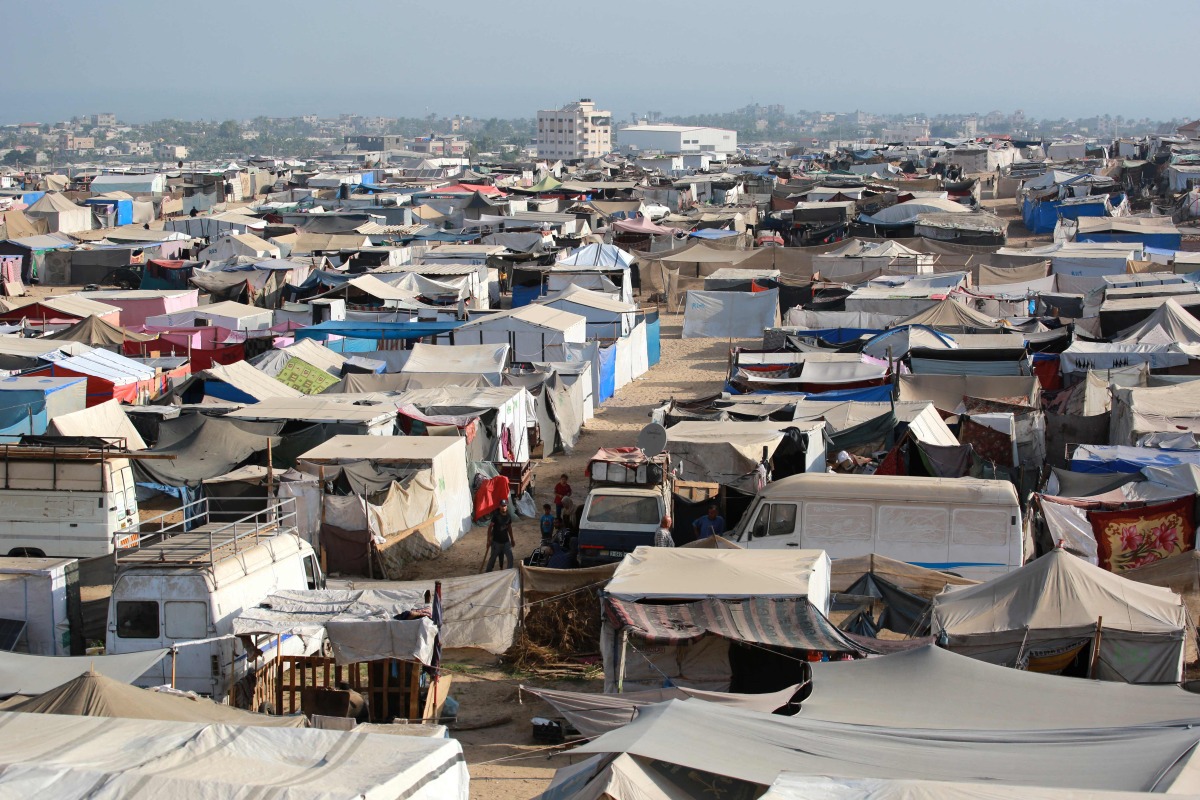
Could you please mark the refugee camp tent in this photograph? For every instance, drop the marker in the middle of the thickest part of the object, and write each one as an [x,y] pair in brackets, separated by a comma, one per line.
[607,317]
[596,255]
[241,383]
[790,786]
[62,310]
[505,412]
[94,331]
[1051,607]
[1137,411]
[138,304]
[60,214]
[729,453]
[70,756]
[929,687]
[430,365]
[755,747]
[337,417]
[107,420]
[30,675]
[1169,324]
[951,316]
[113,376]
[93,694]
[226,314]
[532,332]
[27,404]
[730,315]
[946,392]
[236,245]
[906,213]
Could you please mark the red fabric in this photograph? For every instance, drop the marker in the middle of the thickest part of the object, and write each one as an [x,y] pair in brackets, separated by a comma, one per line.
[489,494]
[754,287]
[1138,536]
[200,359]
[1048,374]
[891,463]
[990,445]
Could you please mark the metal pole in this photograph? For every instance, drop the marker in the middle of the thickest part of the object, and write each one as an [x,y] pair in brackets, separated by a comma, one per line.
[173,652]
[1096,647]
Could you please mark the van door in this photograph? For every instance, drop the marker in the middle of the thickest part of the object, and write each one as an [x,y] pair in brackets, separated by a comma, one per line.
[774,525]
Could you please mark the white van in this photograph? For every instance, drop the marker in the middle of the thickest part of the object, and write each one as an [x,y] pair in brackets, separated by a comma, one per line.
[963,525]
[68,502]
[167,603]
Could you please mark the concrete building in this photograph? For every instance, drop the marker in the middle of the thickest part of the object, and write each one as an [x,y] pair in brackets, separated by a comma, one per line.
[106,120]
[172,152]
[387,141]
[662,138]
[574,132]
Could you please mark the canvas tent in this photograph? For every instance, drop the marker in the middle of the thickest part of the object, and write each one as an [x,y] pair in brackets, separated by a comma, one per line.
[1050,608]
[1169,324]
[1137,411]
[730,315]
[60,214]
[790,786]
[69,757]
[226,314]
[532,332]
[607,317]
[96,332]
[241,383]
[433,365]
[107,419]
[31,675]
[728,453]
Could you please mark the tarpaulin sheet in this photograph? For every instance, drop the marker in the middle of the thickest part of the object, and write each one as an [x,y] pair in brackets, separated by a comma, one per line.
[607,359]
[212,447]
[776,622]
[730,315]
[25,674]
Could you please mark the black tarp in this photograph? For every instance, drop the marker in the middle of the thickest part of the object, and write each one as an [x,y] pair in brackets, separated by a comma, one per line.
[1086,484]
[1071,429]
[874,434]
[903,612]
[212,447]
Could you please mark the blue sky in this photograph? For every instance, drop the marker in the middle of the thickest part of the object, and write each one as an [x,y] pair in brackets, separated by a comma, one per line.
[221,59]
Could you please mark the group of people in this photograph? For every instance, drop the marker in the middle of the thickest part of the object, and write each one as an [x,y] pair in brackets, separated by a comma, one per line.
[711,524]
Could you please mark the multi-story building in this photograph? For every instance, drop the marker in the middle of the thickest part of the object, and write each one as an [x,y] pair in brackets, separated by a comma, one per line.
[386,141]
[106,120]
[574,132]
[68,142]
[172,152]
[669,139]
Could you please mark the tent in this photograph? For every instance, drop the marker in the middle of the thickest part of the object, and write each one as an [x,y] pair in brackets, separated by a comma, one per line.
[1140,410]
[607,317]
[61,215]
[113,376]
[226,314]
[138,304]
[239,244]
[61,310]
[241,383]
[730,315]
[444,456]
[952,316]
[31,675]
[1169,324]
[73,758]
[27,404]
[596,255]
[790,786]
[93,694]
[107,419]
[336,416]
[434,365]
[94,331]
[729,452]
[936,689]
[907,213]
[532,332]
[1049,609]
[754,748]
[505,414]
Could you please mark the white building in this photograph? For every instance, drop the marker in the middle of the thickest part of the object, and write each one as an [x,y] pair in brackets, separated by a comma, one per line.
[662,138]
[574,132]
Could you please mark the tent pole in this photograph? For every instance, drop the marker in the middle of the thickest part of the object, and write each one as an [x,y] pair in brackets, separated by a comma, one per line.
[1096,647]
[623,643]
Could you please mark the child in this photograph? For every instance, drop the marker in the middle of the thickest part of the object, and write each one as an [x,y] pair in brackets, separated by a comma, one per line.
[561,489]
[548,523]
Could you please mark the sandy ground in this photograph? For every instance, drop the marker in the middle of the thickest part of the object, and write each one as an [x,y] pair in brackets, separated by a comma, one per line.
[488,693]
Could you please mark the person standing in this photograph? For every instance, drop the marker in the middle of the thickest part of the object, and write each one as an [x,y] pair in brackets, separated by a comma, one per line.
[547,523]
[500,530]
[561,489]
[711,524]
[663,538]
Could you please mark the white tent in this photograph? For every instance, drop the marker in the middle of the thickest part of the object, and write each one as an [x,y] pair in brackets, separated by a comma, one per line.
[61,215]
[607,317]
[514,409]
[533,332]
[1169,324]
[730,315]
[790,786]
[71,757]
[226,314]
[1137,411]
[435,365]
[444,456]
[728,452]
[597,255]
[239,244]
[1053,605]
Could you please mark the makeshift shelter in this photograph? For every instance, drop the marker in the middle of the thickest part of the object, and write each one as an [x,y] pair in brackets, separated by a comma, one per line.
[336,417]
[30,675]
[241,383]
[729,453]
[775,598]
[107,420]
[112,376]
[1137,411]
[789,786]
[932,688]
[93,694]
[226,314]
[1047,615]
[607,317]
[33,249]
[27,404]
[60,214]
[1169,324]
[505,415]
[951,316]
[71,756]
[432,365]
[60,311]
[730,315]
[95,332]
[532,332]
[235,245]
[754,748]
[138,304]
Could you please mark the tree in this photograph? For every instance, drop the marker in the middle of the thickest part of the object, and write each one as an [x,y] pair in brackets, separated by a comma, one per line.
[229,130]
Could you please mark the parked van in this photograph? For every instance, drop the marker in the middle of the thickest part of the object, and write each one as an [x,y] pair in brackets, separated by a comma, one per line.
[966,526]
[181,591]
[66,502]
[629,495]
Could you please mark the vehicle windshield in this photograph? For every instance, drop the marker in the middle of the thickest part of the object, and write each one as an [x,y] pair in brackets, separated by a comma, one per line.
[624,509]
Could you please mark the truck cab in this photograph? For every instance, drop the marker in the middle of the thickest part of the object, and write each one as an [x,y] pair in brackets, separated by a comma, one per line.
[629,495]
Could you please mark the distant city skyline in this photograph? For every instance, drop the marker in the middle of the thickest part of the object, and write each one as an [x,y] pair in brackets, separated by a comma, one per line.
[225,60]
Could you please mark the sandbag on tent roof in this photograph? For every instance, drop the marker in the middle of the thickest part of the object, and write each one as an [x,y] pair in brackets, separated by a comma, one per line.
[28,675]
[953,316]
[932,688]
[107,419]
[1170,323]
[444,362]
[1051,606]
[70,757]
[94,331]
[730,315]
[93,694]
[756,747]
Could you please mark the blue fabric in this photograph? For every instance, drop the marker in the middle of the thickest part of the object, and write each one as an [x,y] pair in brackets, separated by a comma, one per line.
[712,233]
[1161,243]
[524,295]
[607,356]
[868,394]
[837,335]
[375,330]
[1120,458]
[224,391]
[351,344]
[22,413]
[653,343]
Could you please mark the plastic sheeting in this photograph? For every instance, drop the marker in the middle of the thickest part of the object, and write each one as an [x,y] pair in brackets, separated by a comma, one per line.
[31,675]
[730,315]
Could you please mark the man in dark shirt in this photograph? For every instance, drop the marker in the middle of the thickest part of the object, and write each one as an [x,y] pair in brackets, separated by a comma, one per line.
[500,532]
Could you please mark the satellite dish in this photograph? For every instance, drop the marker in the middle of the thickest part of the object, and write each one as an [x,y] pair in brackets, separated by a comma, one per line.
[652,439]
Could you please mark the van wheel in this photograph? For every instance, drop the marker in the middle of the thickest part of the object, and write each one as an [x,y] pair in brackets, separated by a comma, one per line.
[26,552]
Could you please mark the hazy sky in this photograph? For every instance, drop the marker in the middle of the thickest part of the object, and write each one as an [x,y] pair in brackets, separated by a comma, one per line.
[222,59]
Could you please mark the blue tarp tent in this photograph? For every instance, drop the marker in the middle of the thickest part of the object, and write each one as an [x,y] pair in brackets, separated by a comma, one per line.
[1122,458]
[868,394]
[524,295]
[21,413]
[653,343]
[1164,243]
[124,208]
[607,358]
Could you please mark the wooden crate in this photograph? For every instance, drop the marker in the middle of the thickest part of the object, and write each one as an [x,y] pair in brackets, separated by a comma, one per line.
[392,688]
